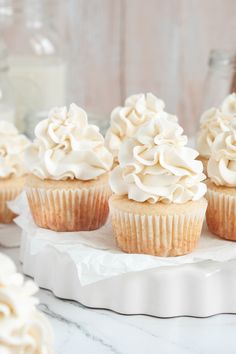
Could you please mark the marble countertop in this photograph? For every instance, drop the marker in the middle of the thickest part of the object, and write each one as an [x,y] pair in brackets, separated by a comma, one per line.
[87,331]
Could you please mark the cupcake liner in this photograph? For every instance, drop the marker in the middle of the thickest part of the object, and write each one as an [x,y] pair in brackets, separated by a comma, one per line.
[7,194]
[157,235]
[69,209]
[221,214]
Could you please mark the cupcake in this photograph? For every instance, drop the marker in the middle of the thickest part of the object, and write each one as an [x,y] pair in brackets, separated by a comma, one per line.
[68,187]
[213,122]
[221,191]
[24,330]
[12,171]
[125,120]
[158,206]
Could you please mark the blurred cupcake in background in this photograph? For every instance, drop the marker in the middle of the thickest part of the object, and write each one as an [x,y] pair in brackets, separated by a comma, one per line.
[228,106]
[125,120]
[24,330]
[68,187]
[221,193]
[213,122]
[158,207]
[12,170]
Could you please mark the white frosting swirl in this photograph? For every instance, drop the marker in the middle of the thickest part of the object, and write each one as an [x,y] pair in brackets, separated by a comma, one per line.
[23,329]
[228,106]
[155,166]
[213,122]
[125,120]
[222,163]
[12,147]
[67,147]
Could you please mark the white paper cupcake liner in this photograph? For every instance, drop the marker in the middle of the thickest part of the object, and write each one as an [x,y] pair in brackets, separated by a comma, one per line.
[6,195]
[158,235]
[221,214]
[69,210]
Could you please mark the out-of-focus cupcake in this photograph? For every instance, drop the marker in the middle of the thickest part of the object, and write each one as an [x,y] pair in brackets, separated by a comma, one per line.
[158,206]
[221,191]
[23,329]
[68,187]
[213,122]
[125,120]
[12,171]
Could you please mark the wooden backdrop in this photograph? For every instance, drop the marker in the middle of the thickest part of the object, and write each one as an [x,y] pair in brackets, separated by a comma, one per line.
[119,47]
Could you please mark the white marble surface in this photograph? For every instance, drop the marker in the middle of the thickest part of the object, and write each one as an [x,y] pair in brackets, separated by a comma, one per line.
[88,331]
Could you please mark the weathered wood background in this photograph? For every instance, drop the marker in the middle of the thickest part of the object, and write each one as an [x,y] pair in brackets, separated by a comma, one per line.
[119,47]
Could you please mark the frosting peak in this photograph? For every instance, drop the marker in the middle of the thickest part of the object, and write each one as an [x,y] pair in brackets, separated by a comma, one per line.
[23,329]
[222,163]
[228,106]
[143,104]
[67,147]
[125,120]
[156,166]
[213,122]
[12,147]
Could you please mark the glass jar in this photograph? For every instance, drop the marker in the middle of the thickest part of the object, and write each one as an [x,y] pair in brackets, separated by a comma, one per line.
[7,110]
[36,65]
[221,78]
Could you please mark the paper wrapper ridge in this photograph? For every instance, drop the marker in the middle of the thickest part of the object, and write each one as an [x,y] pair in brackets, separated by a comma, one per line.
[171,235]
[69,210]
[221,214]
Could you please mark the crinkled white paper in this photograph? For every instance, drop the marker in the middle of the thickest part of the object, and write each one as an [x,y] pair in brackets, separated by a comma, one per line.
[96,255]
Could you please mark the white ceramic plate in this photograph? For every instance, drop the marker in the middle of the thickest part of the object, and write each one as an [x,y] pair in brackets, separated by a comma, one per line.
[200,289]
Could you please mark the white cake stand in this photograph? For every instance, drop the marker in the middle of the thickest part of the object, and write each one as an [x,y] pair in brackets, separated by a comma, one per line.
[200,289]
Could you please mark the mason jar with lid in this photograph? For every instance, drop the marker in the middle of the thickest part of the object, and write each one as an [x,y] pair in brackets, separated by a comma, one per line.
[221,79]
[7,106]
[36,65]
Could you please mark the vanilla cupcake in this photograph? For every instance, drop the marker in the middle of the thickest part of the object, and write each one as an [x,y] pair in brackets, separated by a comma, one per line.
[213,122]
[23,329]
[68,186]
[158,206]
[12,171]
[221,193]
[125,120]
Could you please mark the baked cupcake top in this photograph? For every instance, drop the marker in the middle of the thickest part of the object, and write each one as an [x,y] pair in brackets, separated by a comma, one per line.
[156,166]
[67,147]
[12,147]
[23,328]
[213,122]
[125,120]
[221,166]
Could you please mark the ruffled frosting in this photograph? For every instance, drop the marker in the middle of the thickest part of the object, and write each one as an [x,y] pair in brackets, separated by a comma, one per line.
[156,166]
[228,106]
[213,122]
[125,120]
[12,147]
[23,328]
[222,163]
[67,147]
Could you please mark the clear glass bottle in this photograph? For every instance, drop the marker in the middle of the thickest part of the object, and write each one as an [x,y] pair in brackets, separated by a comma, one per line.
[37,67]
[221,78]
[7,107]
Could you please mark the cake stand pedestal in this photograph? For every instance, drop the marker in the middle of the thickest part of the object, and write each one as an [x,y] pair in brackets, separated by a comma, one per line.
[199,289]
